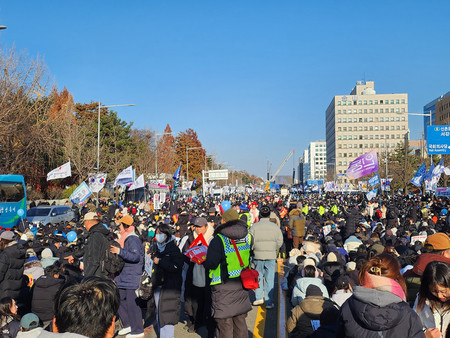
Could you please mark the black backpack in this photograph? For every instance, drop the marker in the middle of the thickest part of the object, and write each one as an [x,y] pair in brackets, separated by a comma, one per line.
[391,213]
[112,263]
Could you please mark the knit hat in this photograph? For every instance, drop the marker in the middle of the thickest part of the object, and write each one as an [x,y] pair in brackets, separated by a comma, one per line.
[46,253]
[200,222]
[309,261]
[230,215]
[331,257]
[438,241]
[313,290]
[90,216]
[264,211]
[8,235]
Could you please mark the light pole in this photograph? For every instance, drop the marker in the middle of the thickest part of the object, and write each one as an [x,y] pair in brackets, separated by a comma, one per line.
[2,27]
[156,151]
[98,128]
[187,161]
[430,115]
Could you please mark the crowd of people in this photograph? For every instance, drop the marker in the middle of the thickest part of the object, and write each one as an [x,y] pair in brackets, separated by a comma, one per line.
[353,268]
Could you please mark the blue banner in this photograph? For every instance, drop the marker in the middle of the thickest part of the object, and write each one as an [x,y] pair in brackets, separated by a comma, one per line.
[438,139]
[419,175]
[374,180]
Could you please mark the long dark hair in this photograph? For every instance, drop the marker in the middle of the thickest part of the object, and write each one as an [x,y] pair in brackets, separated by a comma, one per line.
[436,273]
[5,309]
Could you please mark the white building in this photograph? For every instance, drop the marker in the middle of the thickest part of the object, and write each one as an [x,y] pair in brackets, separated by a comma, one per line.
[315,158]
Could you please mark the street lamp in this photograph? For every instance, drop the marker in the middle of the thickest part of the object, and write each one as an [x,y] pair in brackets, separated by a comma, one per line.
[187,161]
[2,27]
[98,128]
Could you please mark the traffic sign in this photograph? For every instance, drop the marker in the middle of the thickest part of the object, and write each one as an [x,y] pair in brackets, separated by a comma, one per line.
[438,139]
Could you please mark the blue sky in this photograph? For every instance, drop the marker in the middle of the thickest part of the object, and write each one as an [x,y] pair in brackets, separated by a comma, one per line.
[253,78]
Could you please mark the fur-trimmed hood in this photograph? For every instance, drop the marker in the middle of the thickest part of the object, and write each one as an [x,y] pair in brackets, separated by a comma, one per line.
[235,229]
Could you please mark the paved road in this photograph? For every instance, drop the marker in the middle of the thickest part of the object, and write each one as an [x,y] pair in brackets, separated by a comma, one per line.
[260,321]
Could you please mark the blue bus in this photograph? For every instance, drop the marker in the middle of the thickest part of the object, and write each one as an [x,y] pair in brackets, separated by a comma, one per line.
[13,200]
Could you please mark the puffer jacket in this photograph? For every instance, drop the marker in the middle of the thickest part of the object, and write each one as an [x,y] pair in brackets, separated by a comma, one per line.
[133,256]
[430,319]
[94,251]
[297,222]
[229,299]
[44,291]
[299,292]
[267,239]
[12,259]
[307,310]
[375,313]
[167,275]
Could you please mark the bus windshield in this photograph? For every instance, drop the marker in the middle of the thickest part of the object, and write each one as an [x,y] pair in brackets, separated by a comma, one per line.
[11,192]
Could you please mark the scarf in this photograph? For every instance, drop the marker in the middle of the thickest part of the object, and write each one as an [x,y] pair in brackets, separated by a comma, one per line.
[162,246]
[383,284]
[124,234]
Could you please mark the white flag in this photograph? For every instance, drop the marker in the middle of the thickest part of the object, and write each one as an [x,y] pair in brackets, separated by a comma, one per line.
[60,172]
[447,170]
[139,183]
[125,177]
[97,182]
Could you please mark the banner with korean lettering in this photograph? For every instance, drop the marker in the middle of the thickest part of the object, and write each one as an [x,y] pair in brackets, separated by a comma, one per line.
[363,165]
[438,139]
[374,180]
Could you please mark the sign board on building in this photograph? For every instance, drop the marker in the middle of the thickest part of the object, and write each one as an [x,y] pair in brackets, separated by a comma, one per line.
[314,182]
[217,175]
[438,139]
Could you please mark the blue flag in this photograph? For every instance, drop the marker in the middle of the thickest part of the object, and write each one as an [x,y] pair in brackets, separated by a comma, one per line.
[374,180]
[194,184]
[176,176]
[430,173]
[371,194]
[419,175]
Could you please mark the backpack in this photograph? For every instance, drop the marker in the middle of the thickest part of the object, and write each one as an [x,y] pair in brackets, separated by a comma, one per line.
[391,214]
[112,263]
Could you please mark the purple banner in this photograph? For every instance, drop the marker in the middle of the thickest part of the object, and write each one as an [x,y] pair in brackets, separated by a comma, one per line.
[363,165]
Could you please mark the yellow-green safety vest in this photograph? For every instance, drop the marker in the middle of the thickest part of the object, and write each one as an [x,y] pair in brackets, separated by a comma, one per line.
[249,218]
[233,266]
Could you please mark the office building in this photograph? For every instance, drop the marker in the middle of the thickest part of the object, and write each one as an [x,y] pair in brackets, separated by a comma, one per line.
[361,122]
[315,160]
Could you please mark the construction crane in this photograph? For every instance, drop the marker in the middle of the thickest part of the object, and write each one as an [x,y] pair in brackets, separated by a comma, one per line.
[279,169]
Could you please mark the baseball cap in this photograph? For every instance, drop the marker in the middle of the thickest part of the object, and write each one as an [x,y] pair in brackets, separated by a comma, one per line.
[200,222]
[90,216]
[8,235]
[29,321]
[438,241]
[127,219]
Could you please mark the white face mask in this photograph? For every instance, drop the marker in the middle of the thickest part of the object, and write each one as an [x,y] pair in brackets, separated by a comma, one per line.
[160,238]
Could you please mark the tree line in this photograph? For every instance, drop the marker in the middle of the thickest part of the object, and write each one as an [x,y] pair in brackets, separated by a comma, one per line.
[43,128]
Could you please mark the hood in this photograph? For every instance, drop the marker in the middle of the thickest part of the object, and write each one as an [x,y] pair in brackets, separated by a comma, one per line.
[376,310]
[313,306]
[48,282]
[424,259]
[295,212]
[99,228]
[235,229]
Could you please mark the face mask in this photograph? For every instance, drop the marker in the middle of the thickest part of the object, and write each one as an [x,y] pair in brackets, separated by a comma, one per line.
[160,238]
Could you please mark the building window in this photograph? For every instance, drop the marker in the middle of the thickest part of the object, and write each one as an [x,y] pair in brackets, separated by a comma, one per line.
[370,111]
[381,119]
[392,119]
[344,111]
[359,102]
[377,137]
[370,137]
[339,120]
[339,103]
[403,127]
[403,119]
[376,101]
[381,110]
[403,100]
[392,101]
[397,101]
[392,110]
[344,137]
[403,110]
[397,110]
[387,127]
[365,111]
[370,119]
[360,111]
[365,101]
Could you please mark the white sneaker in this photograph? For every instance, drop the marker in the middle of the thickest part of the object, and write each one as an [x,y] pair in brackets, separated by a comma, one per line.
[136,335]
[258,302]
[124,331]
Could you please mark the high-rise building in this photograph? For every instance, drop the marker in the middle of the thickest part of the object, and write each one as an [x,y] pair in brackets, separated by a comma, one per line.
[315,158]
[363,121]
[441,110]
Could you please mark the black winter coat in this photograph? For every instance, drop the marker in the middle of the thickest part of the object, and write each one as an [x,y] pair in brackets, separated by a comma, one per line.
[12,259]
[352,218]
[373,313]
[94,251]
[44,291]
[167,275]
[229,298]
